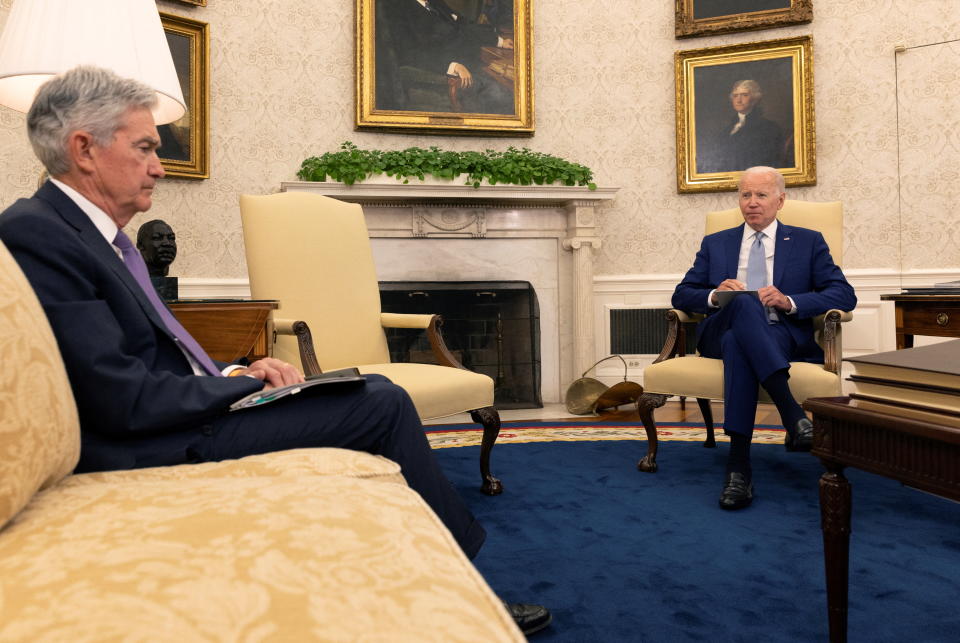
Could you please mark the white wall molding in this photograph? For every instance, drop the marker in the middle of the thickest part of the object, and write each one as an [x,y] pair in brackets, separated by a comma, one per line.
[204,288]
[871,331]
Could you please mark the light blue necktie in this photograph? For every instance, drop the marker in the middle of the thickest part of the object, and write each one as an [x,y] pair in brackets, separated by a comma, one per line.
[138,269]
[757,271]
[757,264]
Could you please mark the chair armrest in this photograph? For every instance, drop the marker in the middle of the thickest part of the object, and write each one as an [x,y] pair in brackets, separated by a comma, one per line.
[685,317]
[676,340]
[828,326]
[300,329]
[430,323]
[402,320]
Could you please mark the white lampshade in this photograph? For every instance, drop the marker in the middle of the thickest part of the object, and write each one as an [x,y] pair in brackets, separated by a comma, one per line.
[43,38]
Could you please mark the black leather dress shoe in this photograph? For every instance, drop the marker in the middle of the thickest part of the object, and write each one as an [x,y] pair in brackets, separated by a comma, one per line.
[801,438]
[529,618]
[737,492]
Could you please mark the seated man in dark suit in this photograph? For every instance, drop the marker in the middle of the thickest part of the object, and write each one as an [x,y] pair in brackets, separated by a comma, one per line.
[757,338]
[429,35]
[146,392]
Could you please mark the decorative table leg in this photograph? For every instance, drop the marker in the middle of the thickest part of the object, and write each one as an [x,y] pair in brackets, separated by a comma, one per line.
[490,420]
[835,501]
[645,406]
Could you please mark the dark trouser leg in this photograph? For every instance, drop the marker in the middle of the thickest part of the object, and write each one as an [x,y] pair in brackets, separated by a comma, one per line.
[751,350]
[778,388]
[377,417]
[486,96]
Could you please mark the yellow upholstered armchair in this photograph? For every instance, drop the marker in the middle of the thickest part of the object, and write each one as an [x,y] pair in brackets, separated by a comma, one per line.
[312,254]
[674,373]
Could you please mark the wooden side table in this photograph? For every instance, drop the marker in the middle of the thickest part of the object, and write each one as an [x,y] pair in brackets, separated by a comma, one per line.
[935,315]
[229,329]
[920,454]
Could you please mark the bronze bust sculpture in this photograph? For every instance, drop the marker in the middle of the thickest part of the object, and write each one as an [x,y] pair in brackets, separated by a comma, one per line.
[157,242]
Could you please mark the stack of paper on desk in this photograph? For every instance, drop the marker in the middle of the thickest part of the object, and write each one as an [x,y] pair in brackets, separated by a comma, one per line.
[924,379]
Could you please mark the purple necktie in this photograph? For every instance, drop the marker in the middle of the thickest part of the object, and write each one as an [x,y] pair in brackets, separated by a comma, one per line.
[137,268]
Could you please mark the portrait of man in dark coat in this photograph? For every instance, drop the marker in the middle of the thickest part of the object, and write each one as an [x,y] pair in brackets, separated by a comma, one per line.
[440,56]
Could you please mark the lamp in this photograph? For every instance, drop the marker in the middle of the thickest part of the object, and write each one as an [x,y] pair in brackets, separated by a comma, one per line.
[43,38]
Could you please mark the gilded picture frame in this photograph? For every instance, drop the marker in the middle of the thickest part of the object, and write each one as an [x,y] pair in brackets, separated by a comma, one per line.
[185,144]
[445,66]
[193,3]
[709,17]
[743,105]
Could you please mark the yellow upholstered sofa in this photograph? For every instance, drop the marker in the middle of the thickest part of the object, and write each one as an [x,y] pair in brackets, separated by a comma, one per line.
[311,544]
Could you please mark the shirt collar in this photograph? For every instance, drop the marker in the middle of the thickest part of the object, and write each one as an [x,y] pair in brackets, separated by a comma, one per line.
[101,221]
[770,230]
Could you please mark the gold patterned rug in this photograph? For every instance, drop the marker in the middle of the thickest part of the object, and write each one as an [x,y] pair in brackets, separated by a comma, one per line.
[444,436]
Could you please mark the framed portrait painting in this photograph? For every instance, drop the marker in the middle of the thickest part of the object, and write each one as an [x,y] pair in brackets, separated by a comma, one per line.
[708,17]
[184,144]
[744,105]
[445,66]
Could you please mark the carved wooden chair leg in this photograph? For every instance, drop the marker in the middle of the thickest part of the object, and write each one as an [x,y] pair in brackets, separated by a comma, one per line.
[490,419]
[645,406]
[707,412]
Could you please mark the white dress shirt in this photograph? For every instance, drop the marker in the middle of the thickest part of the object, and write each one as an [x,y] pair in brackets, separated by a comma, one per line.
[769,242]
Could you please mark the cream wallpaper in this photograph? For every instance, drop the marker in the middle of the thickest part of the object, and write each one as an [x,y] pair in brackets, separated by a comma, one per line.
[282,89]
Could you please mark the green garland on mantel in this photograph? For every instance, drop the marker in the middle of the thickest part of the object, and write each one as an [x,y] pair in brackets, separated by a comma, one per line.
[515,166]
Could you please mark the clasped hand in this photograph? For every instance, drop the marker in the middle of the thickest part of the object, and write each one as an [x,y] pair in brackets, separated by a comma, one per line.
[770,296]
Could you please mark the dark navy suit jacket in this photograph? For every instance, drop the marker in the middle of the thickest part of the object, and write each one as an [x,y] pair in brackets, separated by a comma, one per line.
[802,269]
[133,386]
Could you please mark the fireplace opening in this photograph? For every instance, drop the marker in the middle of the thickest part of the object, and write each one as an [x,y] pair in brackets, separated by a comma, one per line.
[492,327]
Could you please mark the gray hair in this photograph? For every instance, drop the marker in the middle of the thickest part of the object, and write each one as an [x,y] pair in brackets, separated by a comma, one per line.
[752,86]
[85,98]
[773,172]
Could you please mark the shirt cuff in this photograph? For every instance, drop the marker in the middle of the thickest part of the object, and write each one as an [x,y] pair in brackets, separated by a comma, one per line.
[231,368]
[710,303]
[793,306]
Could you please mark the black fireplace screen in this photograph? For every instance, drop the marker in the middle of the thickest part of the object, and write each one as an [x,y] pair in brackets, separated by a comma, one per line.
[492,327]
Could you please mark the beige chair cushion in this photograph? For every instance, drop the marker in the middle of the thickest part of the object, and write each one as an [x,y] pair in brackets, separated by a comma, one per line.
[312,254]
[39,428]
[702,377]
[825,217]
[293,463]
[312,558]
[438,391]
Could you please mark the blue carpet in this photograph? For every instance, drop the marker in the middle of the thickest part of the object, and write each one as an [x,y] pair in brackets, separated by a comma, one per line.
[619,555]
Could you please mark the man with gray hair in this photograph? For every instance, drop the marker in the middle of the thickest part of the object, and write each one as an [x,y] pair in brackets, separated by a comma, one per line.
[795,279]
[147,394]
[747,139]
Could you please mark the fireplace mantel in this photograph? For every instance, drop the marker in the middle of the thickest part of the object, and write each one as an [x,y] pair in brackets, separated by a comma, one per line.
[393,191]
[450,211]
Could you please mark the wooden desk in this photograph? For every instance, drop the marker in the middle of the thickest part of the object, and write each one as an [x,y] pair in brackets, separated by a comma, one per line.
[919,454]
[229,329]
[936,315]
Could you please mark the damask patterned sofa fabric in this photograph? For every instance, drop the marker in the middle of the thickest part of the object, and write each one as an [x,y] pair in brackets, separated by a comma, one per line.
[308,544]
[329,558]
[39,428]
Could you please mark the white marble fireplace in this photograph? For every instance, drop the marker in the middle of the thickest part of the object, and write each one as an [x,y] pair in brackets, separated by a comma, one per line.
[546,235]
